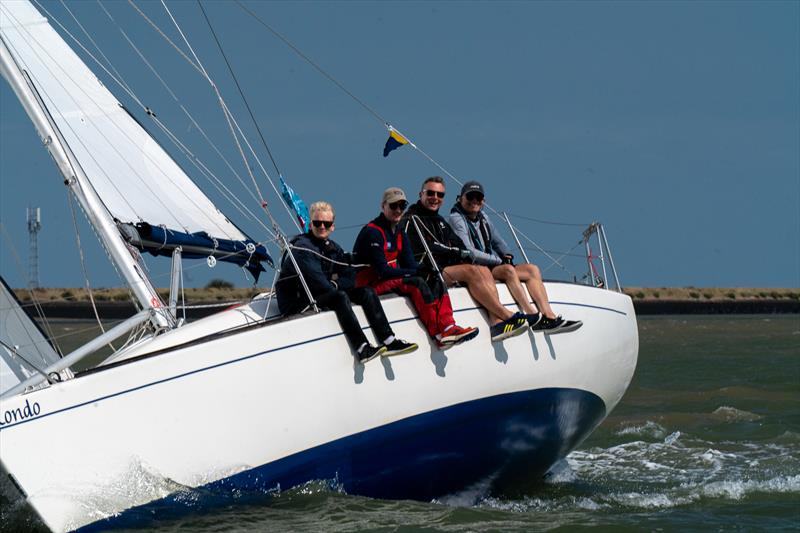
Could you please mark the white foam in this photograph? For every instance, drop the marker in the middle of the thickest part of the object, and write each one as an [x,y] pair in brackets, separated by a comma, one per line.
[648,429]
[731,414]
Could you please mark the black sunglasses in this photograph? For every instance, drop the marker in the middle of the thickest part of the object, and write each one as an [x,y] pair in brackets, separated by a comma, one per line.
[400,204]
[474,196]
[319,223]
[438,194]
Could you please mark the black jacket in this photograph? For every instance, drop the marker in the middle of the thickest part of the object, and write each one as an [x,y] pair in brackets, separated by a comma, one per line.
[445,245]
[321,276]
[368,249]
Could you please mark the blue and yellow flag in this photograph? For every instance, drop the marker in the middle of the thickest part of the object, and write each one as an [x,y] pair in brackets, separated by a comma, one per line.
[297,204]
[395,140]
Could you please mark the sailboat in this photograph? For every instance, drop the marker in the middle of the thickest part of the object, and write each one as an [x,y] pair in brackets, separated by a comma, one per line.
[247,399]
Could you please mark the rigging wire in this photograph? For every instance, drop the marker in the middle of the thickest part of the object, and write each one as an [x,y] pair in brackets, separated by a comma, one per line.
[231,122]
[239,87]
[96,46]
[83,264]
[312,63]
[550,222]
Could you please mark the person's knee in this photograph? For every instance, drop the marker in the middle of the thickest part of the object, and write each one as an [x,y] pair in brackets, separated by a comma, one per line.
[421,286]
[504,272]
[530,271]
[340,298]
[368,293]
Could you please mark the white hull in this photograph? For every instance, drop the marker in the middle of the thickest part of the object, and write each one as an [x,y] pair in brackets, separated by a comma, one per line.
[203,412]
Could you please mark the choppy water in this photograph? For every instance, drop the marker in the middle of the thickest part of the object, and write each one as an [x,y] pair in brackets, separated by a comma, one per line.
[706,439]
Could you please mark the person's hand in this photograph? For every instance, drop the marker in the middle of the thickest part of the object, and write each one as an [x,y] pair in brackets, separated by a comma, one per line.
[508,259]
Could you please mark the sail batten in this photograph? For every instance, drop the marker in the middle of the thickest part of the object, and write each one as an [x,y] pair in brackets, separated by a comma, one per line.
[135,178]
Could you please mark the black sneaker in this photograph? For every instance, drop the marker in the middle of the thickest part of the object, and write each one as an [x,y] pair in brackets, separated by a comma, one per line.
[511,327]
[399,347]
[548,324]
[567,326]
[551,326]
[533,319]
[369,352]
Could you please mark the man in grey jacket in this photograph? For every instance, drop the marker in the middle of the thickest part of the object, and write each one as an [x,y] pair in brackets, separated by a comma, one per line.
[488,248]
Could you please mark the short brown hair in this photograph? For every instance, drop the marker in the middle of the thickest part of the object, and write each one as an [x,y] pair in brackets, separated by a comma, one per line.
[432,179]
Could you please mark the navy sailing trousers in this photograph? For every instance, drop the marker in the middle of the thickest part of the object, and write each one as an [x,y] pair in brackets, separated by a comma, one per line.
[367,298]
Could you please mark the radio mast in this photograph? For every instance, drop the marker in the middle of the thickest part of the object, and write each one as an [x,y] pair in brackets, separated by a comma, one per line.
[34,225]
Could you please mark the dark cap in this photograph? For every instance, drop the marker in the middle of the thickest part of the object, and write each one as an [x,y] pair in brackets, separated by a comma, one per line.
[472,186]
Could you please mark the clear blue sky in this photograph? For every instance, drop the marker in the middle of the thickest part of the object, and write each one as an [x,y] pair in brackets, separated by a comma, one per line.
[676,124]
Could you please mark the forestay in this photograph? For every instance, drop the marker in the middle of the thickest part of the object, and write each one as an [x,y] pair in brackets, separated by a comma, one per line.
[137,181]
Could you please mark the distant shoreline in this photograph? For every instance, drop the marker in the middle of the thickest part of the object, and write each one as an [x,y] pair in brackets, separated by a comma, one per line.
[115,304]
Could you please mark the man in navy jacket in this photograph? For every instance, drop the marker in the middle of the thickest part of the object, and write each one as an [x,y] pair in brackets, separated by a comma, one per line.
[331,281]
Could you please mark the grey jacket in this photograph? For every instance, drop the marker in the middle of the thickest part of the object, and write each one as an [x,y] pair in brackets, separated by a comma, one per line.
[481,253]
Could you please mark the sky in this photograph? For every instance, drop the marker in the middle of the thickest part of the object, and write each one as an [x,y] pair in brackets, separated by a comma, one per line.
[674,124]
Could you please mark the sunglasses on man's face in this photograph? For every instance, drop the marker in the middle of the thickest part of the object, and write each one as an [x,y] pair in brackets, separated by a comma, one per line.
[400,204]
[438,194]
[319,223]
[474,197]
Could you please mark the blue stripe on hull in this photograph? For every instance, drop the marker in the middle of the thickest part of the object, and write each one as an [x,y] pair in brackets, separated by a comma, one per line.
[512,437]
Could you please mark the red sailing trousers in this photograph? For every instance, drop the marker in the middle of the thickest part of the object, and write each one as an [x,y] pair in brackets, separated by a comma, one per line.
[437,315]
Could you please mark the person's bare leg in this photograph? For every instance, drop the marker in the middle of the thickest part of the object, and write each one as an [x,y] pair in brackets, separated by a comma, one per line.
[532,278]
[484,293]
[508,275]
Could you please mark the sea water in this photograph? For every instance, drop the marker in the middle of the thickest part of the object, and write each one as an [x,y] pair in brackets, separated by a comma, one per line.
[707,438]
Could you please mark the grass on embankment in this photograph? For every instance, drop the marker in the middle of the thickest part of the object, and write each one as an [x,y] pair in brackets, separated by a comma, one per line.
[235,294]
[710,293]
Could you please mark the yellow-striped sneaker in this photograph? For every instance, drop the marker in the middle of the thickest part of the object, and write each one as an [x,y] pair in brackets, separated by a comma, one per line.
[516,325]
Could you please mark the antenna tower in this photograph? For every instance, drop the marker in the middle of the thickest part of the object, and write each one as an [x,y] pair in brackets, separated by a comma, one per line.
[34,225]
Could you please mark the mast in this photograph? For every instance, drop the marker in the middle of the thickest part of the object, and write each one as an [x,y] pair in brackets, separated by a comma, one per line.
[79,184]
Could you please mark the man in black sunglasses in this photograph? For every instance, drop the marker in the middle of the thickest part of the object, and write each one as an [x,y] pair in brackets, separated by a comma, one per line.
[488,248]
[423,221]
[331,280]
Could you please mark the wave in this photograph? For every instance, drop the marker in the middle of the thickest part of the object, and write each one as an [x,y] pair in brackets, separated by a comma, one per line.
[648,429]
[731,414]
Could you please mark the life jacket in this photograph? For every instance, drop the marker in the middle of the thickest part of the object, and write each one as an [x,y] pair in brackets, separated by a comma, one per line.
[368,276]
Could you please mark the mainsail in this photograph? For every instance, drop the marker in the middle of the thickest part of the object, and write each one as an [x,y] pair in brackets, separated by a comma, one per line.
[136,180]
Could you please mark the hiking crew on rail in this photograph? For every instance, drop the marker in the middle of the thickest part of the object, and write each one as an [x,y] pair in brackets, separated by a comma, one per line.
[417,254]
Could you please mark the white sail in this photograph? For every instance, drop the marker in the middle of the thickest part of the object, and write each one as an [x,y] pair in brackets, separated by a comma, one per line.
[23,348]
[134,177]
